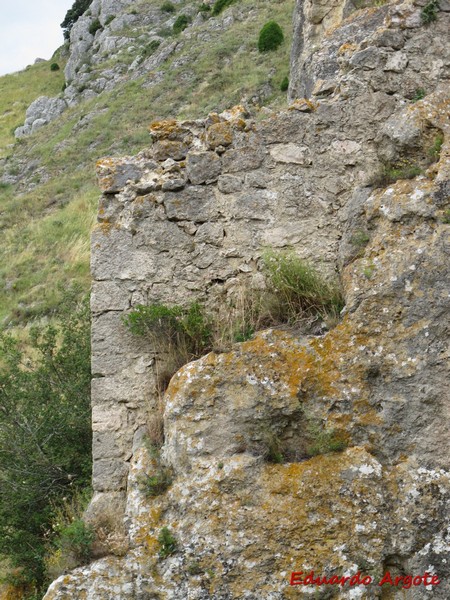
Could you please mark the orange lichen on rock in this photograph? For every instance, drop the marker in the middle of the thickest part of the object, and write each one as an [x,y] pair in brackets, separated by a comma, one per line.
[220,134]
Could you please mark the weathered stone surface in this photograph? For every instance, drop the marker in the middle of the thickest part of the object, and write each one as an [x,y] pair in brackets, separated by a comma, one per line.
[164,149]
[228,184]
[203,167]
[192,204]
[39,113]
[291,153]
[219,134]
[376,381]
[114,173]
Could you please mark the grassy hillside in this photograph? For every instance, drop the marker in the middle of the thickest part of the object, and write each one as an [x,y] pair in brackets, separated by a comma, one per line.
[17,92]
[46,216]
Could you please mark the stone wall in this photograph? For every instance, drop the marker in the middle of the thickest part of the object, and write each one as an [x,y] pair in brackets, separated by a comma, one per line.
[189,219]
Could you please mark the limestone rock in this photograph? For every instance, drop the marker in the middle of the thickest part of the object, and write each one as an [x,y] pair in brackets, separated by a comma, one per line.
[357,409]
[39,113]
[203,167]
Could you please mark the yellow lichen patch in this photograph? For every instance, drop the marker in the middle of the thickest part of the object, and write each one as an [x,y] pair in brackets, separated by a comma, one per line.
[303,105]
[347,48]
[220,134]
[166,129]
[106,227]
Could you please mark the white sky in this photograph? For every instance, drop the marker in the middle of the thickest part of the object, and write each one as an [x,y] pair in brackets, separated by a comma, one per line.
[29,29]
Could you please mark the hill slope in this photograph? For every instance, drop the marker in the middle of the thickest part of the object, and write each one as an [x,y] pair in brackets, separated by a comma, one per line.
[48,190]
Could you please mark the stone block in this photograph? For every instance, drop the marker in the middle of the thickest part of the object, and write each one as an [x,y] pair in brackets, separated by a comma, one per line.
[291,153]
[114,173]
[194,203]
[203,167]
[108,295]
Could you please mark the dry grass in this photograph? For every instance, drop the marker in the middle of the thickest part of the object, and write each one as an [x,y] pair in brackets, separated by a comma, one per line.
[52,248]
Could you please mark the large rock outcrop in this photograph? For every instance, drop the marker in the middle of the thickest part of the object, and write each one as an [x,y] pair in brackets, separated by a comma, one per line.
[356,178]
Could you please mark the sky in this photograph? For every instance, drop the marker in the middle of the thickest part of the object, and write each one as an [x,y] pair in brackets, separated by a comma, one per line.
[29,29]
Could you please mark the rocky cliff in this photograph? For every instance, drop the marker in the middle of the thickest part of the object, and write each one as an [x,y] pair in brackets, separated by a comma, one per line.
[355,177]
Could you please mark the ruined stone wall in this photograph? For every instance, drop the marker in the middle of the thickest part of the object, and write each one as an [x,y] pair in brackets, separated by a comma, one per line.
[189,219]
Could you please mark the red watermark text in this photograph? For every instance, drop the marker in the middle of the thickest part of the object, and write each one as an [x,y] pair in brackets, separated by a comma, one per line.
[403,581]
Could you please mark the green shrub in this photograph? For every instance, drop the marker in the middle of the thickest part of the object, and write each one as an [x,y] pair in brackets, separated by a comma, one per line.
[167,543]
[177,334]
[181,22]
[167,7]
[435,151]
[172,326]
[322,441]
[220,5]
[157,483]
[109,19]
[150,48]
[360,238]
[419,94]
[299,289]
[77,539]
[270,37]
[194,568]
[284,84]
[94,26]
[165,32]
[429,12]
[78,8]
[393,172]
[204,8]
[54,67]
[46,419]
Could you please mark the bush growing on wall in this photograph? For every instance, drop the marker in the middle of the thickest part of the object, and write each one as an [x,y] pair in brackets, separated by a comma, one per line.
[270,37]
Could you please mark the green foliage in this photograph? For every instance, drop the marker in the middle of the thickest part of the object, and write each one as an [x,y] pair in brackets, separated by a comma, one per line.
[45,434]
[435,151]
[181,22]
[95,26]
[270,37]
[360,238]
[110,19]
[150,48]
[393,172]
[299,288]
[446,216]
[54,67]
[204,8]
[220,5]
[157,483]
[167,543]
[419,94]
[175,327]
[369,271]
[77,539]
[73,14]
[271,446]
[429,12]
[284,84]
[322,441]
[168,7]
[194,568]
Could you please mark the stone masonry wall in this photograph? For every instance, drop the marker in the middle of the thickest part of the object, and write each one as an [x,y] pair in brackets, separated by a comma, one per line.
[189,218]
